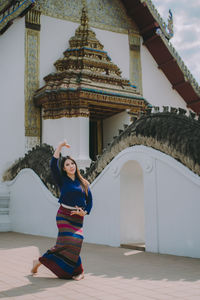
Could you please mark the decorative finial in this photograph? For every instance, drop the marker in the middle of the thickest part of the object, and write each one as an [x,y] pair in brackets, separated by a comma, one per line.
[167,30]
[170,24]
[84,15]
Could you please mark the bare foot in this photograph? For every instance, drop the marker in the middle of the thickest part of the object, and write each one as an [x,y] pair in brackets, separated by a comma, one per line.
[36,265]
[78,277]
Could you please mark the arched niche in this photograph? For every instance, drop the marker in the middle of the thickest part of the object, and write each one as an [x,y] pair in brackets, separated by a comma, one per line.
[132,219]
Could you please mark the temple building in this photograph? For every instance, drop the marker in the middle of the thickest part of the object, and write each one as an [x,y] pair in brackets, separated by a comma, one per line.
[105,76]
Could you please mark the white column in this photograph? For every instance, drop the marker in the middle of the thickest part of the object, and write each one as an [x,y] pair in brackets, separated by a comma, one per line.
[75,130]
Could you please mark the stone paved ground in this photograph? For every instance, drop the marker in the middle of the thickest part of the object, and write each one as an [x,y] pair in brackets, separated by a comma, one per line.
[110,273]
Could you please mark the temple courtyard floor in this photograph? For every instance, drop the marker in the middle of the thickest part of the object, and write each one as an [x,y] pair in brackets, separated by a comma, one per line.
[110,273]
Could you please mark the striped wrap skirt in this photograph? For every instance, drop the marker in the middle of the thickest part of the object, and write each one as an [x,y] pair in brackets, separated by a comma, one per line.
[63,259]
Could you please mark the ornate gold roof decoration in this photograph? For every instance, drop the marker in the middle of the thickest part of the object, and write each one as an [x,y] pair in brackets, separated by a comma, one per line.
[10,10]
[106,15]
[167,29]
[86,82]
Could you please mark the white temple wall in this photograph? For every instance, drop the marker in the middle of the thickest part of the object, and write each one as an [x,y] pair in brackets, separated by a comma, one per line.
[117,47]
[12,64]
[112,125]
[32,207]
[157,90]
[171,207]
[54,37]
[170,203]
[178,207]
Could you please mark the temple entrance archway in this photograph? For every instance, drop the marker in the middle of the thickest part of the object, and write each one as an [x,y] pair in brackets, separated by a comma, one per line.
[132,219]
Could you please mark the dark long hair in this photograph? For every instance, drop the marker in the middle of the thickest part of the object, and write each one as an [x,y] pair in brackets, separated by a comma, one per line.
[83,181]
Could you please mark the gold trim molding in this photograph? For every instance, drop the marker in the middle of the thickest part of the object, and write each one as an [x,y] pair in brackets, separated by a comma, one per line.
[32,113]
[107,15]
[32,19]
[135,60]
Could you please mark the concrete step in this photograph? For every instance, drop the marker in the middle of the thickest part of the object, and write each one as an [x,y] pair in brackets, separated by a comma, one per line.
[134,246]
[5,224]
[4,204]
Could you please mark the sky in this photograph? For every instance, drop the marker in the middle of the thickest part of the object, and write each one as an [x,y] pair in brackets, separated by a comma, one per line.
[186,39]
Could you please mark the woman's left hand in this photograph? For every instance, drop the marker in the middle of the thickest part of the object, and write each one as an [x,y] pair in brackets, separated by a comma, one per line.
[79,211]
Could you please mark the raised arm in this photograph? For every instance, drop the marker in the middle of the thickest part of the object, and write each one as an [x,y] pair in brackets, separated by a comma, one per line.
[59,148]
[54,163]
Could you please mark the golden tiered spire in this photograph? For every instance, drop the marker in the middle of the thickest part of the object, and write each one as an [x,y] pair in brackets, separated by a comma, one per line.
[86,52]
[86,81]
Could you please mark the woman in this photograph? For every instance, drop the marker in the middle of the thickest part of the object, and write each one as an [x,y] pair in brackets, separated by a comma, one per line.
[75,202]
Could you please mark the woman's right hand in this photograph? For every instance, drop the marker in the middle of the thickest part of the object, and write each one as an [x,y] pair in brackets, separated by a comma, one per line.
[58,149]
[64,144]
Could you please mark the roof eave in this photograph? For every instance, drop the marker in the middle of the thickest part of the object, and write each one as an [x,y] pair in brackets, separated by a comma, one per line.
[164,53]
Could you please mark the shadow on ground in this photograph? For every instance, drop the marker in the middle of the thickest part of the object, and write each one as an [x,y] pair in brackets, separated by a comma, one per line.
[106,262]
[114,262]
[36,285]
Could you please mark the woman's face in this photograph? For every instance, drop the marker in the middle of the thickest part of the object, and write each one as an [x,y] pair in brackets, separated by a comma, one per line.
[69,167]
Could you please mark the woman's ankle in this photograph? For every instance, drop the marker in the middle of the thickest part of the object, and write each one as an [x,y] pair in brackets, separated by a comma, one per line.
[79,276]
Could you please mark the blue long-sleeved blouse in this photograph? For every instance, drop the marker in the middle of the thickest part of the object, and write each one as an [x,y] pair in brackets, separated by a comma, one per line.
[71,192]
